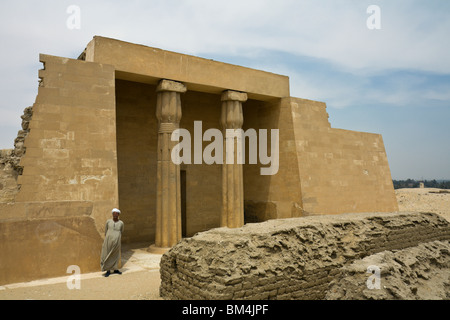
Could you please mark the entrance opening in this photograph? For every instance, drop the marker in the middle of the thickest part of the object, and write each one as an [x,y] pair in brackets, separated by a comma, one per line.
[183,202]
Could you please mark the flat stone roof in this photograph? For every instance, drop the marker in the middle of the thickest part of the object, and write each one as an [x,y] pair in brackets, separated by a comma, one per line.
[145,64]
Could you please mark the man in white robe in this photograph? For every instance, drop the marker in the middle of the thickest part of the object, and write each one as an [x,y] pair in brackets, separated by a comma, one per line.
[111,249]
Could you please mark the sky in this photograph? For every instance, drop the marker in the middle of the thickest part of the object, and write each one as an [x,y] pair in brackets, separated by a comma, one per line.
[393,80]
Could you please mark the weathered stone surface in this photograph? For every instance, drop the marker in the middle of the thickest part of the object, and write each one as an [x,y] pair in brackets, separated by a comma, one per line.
[416,273]
[289,258]
[10,167]
[168,85]
[8,176]
[230,95]
[43,239]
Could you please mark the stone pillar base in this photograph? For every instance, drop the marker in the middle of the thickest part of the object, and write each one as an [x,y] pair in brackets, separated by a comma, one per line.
[157,250]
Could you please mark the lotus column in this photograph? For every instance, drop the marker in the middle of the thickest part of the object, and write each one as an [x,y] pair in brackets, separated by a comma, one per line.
[168,196]
[232,119]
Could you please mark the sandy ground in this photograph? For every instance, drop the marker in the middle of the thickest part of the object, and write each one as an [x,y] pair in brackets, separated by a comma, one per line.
[140,277]
[139,281]
[424,200]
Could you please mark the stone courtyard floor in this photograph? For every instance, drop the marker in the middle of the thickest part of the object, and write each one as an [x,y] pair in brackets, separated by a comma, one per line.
[139,280]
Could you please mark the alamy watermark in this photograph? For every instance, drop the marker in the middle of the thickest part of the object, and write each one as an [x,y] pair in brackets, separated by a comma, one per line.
[74,281]
[374,20]
[214,152]
[74,19]
[374,281]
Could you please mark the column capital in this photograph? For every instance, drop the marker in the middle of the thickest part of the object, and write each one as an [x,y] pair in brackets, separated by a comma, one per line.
[170,85]
[230,95]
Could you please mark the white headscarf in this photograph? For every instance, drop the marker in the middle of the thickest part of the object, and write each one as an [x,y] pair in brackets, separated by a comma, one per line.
[115,210]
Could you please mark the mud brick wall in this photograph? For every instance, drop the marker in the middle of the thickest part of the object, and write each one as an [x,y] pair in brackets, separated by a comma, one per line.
[290,258]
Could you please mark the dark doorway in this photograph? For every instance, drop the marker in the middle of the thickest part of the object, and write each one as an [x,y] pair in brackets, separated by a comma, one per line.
[183,202]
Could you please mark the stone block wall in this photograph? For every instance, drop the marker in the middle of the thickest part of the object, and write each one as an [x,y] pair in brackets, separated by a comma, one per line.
[42,239]
[136,158]
[60,180]
[340,170]
[289,258]
[272,196]
[71,145]
[203,182]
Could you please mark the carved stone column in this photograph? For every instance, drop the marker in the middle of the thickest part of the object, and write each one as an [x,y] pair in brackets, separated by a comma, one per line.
[168,197]
[232,177]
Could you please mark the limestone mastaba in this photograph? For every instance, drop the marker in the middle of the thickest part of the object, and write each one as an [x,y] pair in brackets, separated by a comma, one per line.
[99,136]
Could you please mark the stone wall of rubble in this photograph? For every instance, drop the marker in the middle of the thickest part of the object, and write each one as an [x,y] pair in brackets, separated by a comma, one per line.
[288,259]
[10,167]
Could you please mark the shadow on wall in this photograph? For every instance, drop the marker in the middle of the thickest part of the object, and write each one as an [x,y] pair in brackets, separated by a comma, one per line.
[42,239]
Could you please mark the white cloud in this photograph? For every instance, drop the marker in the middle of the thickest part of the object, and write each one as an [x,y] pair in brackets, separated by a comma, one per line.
[414,36]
